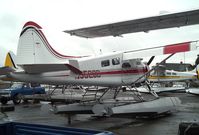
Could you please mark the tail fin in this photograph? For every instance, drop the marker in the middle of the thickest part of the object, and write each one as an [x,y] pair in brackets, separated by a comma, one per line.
[34,48]
[9,66]
[10,60]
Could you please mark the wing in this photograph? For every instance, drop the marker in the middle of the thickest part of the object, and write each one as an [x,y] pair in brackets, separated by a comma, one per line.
[139,25]
[6,70]
[161,50]
[4,74]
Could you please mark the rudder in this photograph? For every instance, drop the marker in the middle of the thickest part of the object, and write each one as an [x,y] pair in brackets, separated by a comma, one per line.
[34,48]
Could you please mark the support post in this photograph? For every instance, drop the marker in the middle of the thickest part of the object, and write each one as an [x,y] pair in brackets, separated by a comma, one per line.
[69,119]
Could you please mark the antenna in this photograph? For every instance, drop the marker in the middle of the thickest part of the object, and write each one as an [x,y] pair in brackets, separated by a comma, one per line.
[100,51]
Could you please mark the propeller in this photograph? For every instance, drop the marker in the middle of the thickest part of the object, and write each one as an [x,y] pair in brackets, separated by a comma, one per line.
[151,59]
[195,66]
[197,60]
[149,62]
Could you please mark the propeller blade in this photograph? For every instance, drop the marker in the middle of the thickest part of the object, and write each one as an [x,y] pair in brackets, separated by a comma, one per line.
[150,60]
[197,61]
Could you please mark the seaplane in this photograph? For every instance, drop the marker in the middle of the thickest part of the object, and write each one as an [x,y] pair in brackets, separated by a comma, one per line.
[181,72]
[37,62]
[172,77]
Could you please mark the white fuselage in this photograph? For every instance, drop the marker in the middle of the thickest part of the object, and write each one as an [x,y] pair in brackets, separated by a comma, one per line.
[105,70]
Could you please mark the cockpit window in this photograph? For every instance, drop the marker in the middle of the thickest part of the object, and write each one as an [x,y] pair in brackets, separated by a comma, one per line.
[105,63]
[138,63]
[116,61]
[126,65]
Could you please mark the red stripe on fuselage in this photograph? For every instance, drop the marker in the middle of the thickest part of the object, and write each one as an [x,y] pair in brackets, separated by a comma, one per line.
[130,71]
[116,72]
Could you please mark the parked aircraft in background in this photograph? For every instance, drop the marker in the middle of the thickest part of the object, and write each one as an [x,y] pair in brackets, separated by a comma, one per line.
[162,74]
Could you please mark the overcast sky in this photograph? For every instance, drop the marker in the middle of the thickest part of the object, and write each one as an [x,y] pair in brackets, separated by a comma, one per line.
[56,16]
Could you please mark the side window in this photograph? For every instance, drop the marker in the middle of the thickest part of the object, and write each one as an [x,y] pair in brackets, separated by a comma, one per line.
[27,85]
[105,63]
[35,85]
[174,74]
[126,65]
[168,73]
[116,61]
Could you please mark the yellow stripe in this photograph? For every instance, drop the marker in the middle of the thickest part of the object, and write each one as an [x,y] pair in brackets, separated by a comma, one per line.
[7,79]
[169,77]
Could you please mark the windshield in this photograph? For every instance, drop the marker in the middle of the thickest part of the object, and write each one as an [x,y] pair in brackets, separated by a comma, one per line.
[16,85]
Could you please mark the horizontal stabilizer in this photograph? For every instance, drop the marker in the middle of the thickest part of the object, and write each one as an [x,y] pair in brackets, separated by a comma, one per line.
[41,68]
[6,70]
[139,25]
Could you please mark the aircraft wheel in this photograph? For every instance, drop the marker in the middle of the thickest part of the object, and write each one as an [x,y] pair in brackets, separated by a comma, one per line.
[4,101]
[35,101]
[17,99]
[25,101]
